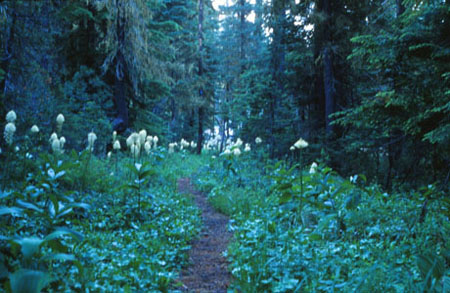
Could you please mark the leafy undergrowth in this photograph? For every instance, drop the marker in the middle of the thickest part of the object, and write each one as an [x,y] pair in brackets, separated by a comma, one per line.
[79,223]
[75,222]
[324,233]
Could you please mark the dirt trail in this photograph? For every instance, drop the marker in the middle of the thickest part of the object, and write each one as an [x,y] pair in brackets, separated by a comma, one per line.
[207,271]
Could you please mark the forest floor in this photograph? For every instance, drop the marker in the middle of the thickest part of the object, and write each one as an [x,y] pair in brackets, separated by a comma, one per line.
[207,271]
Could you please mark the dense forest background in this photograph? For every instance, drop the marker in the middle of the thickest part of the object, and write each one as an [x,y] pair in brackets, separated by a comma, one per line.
[366,83]
[213,145]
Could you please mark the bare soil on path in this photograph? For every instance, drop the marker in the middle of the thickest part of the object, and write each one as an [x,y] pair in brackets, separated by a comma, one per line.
[207,271]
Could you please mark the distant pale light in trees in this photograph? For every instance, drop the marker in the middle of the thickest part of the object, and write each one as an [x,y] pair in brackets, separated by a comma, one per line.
[251,17]
[217,3]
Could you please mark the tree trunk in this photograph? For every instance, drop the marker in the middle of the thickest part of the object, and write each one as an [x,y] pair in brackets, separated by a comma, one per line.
[121,122]
[329,89]
[328,73]
[400,7]
[277,67]
[8,56]
[200,73]
[393,148]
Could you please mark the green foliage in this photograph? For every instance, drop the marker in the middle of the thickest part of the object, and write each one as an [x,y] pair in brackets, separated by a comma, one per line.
[87,99]
[346,236]
[40,248]
[41,208]
[143,172]
[406,109]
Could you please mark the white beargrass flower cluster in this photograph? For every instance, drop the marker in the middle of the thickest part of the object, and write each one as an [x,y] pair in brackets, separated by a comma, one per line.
[238,143]
[134,145]
[136,141]
[258,140]
[300,144]
[34,129]
[235,147]
[212,140]
[57,144]
[60,119]
[172,146]
[10,127]
[135,150]
[116,145]
[59,122]
[142,136]
[184,144]
[92,137]
[148,147]
[313,168]
[11,116]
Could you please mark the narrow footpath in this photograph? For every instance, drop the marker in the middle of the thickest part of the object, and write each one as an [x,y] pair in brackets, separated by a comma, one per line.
[207,271]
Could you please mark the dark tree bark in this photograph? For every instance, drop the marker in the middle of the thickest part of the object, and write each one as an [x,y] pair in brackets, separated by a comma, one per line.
[400,7]
[324,94]
[200,74]
[120,100]
[8,54]
[277,67]
[394,147]
[328,73]
[329,89]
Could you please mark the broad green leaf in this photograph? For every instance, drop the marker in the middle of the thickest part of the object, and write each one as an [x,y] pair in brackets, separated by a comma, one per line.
[14,211]
[285,197]
[29,205]
[63,231]
[28,281]
[60,256]
[431,263]
[29,245]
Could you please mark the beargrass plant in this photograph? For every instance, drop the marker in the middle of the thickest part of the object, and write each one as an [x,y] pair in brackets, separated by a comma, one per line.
[142,173]
[348,236]
[34,241]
